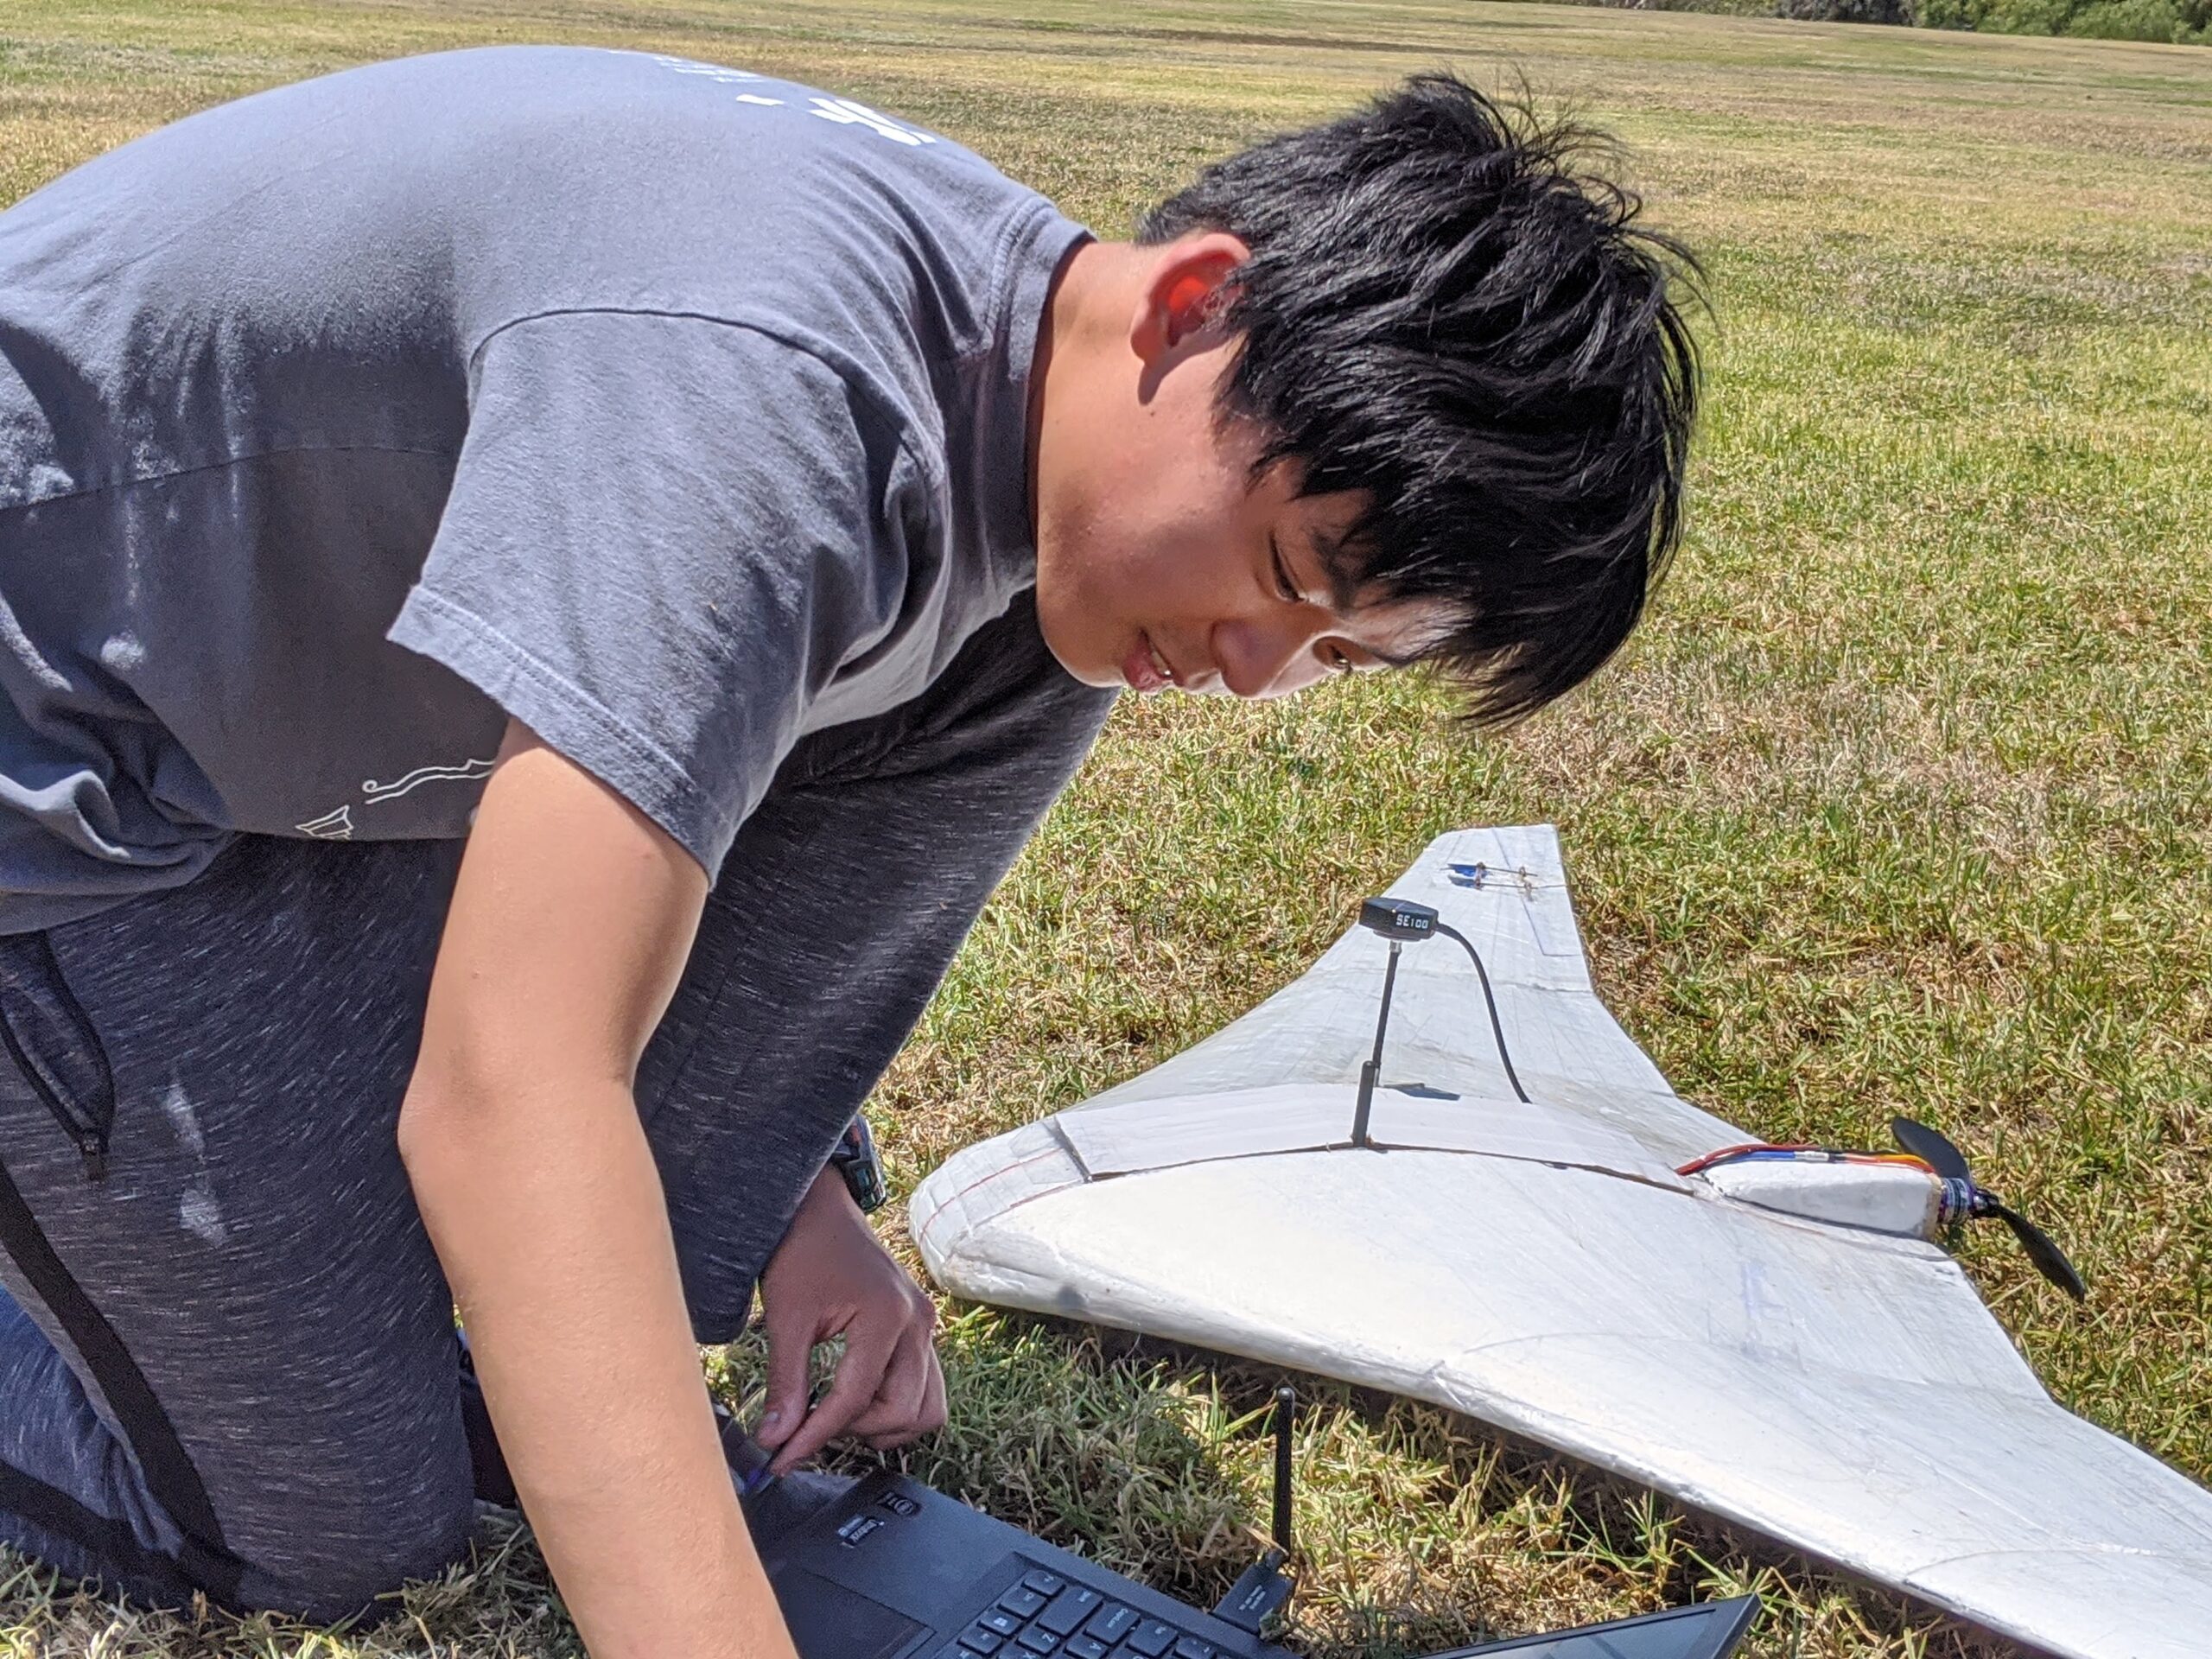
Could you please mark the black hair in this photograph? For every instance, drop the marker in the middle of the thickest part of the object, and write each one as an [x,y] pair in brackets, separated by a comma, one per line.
[1446,310]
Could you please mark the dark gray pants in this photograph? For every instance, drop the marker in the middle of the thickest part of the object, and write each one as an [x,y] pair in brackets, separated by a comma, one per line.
[228,1362]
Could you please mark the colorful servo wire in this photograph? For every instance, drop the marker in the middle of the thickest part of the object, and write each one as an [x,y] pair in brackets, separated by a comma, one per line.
[1796,1152]
[1955,1202]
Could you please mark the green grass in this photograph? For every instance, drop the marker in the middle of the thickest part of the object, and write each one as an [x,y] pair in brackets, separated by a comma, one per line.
[1902,801]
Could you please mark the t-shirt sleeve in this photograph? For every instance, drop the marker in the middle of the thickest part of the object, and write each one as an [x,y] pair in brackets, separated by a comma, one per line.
[664,535]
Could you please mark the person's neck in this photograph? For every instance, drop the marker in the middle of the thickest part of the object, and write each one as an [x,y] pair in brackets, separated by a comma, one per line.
[1081,311]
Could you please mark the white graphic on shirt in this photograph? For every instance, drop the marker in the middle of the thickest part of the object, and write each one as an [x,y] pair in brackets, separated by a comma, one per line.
[719,74]
[846,111]
[851,112]
[372,791]
[331,826]
[339,826]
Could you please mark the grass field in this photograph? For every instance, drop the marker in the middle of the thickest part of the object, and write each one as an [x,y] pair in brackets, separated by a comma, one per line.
[1902,802]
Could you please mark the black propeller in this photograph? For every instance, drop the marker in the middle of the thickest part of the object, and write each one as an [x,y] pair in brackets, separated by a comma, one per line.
[1935,1150]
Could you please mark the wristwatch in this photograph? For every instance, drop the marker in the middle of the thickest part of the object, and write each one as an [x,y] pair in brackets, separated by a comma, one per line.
[855,1158]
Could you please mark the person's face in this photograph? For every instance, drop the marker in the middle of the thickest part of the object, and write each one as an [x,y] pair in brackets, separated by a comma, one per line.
[1162,560]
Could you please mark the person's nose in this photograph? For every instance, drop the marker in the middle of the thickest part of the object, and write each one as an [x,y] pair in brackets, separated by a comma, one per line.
[1270,656]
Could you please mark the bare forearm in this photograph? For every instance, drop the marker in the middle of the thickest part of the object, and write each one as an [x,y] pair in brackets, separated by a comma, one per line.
[548,1214]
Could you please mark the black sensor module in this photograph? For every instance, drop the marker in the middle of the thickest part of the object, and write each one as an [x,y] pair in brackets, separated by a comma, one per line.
[1397,919]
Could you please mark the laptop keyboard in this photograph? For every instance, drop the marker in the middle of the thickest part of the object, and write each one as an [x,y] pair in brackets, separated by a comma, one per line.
[1046,1614]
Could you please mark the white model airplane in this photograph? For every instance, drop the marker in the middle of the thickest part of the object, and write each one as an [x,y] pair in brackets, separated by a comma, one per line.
[1531,1227]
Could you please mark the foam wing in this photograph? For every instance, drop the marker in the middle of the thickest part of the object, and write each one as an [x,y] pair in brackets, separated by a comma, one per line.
[1543,1268]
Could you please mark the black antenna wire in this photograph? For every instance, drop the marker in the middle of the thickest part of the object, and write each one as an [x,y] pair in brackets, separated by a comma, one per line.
[1285,1414]
[1497,1026]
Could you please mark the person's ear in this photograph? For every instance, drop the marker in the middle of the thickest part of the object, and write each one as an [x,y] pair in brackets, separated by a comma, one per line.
[1181,299]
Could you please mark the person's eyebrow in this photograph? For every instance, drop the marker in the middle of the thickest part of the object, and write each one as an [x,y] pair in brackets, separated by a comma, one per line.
[1328,550]
[1343,597]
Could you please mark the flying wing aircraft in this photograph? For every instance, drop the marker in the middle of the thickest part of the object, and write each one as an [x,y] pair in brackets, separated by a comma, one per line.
[1534,1229]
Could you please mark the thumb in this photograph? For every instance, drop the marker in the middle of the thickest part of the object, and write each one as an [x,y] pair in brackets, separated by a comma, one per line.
[791,1346]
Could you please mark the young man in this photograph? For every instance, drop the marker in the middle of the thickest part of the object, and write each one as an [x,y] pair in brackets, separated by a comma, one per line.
[539,591]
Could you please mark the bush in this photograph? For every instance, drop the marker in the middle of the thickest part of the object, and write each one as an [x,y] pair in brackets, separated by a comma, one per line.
[2181,22]
[1723,8]
[2124,20]
[1846,11]
[2184,22]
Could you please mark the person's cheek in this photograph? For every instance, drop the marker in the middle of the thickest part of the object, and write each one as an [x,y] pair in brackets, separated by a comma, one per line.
[1287,681]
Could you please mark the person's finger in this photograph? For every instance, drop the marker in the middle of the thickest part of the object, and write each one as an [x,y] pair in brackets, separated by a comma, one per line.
[929,1415]
[899,1398]
[868,1353]
[791,1348]
[921,1405]
[933,1407]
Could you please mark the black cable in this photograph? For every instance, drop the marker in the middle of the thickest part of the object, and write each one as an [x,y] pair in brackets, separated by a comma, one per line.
[1496,1027]
[1372,1071]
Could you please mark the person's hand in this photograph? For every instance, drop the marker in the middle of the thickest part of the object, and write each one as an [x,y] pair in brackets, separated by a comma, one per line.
[830,1277]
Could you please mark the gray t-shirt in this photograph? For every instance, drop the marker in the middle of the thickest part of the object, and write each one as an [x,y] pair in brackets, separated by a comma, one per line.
[675,411]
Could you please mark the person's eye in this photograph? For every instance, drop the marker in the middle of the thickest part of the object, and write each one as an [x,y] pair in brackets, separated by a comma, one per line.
[1284,585]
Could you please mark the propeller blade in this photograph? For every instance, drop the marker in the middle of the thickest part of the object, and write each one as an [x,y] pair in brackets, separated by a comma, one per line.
[2050,1260]
[1932,1149]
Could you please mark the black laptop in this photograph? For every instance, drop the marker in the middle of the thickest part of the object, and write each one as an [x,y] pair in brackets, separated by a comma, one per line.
[885,1567]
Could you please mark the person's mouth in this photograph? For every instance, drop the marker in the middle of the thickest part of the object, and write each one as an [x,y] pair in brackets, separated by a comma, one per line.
[1145,670]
